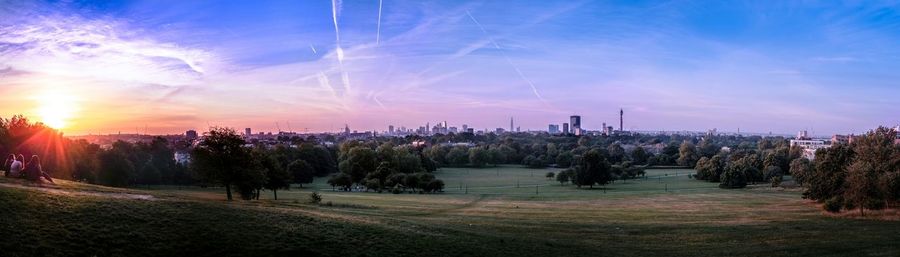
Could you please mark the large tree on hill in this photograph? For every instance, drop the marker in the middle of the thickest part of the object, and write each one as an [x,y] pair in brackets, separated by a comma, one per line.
[801,168]
[301,172]
[827,181]
[277,176]
[222,158]
[874,162]
[687,154]
[361,160]
[593,168]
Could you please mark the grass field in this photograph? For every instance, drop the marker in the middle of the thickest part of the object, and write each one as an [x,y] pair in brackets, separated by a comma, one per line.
[504,211]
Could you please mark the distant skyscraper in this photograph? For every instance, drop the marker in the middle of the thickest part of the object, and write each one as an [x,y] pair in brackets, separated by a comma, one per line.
[191,134]
[465,128]
[575,122]
[621,120]
[565,128]
[247,132]
[391,129]
[346,129]
[510,124]
[553,129]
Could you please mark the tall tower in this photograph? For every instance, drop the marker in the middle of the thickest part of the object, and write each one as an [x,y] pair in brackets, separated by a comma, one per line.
[511,124]
[621,119]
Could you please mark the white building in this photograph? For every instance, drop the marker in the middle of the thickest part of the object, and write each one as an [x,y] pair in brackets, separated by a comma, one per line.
[809,146]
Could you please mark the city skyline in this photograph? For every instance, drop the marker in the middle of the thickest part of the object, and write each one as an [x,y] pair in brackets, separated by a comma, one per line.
[165,67]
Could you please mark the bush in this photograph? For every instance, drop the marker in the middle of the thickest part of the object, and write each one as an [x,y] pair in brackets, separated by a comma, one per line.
[833,204]
[315,198]
[776,181]
[734,177]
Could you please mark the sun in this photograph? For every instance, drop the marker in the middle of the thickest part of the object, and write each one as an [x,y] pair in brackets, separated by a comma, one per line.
[55,110]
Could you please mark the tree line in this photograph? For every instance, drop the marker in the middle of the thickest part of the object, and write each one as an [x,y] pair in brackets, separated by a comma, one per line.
[864,174]
[384,167]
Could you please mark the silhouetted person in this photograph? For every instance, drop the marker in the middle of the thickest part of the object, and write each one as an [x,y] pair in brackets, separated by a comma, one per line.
[7,166]
[34,172]
[16,167]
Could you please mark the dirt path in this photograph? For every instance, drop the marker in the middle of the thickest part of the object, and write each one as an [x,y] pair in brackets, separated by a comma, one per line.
[77,192]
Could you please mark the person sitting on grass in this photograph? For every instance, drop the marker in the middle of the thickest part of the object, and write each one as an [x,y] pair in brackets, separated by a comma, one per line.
[16,167]
[34,172]
[7,164]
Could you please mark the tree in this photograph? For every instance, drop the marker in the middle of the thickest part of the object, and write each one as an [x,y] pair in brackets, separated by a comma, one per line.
[301,171]
[707,148]
[639,155]
[496,156]
[703,170]
[277,177]
[564,159]
[735,175]
[687,154]
[222,158]
[458,156]
[862,190]
[830,173]
[342,180]
[593,169]
[801,169]
[550,175]
[563,176]
[478,157]
[616,153]
[361,161]
[115,169]
[773,174]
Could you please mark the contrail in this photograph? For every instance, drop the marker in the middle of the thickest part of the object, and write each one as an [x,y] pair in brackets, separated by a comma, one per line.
[508,60]
[335,12]
[313,48]
[378,31]
[483,30]
[335,9]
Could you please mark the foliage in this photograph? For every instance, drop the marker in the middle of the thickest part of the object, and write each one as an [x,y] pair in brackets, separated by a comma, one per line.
[687,154]
[315,198]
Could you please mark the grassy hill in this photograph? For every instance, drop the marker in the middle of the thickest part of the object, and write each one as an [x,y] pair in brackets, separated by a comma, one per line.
[505,211]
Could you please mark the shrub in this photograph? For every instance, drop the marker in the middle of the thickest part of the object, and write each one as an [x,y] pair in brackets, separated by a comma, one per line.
[833,204]
[315,198]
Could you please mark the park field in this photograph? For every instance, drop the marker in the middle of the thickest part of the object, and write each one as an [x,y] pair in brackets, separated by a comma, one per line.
[500,211]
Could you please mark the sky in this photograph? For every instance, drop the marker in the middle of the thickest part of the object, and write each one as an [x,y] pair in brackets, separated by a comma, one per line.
[157,67]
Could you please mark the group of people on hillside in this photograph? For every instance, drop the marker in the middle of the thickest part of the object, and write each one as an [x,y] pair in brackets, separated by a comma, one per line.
[17,168]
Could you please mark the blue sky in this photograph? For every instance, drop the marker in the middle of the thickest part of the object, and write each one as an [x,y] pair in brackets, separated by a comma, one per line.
[828,67]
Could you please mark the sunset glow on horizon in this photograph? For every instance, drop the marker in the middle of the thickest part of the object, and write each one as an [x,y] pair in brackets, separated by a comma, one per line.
[162,67]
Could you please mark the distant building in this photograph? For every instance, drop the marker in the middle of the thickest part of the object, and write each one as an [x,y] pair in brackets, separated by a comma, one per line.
[191,135]
[621,120]
[391,129]
[247,132]
[553,129]
[842,139]
[574,122]
[565,128]
[809,146]
[803,135]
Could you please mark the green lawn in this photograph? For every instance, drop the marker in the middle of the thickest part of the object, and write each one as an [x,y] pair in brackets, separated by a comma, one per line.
[504,211]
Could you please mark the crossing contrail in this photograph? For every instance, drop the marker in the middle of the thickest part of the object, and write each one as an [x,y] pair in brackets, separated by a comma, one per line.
[508,60]
[378,31]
